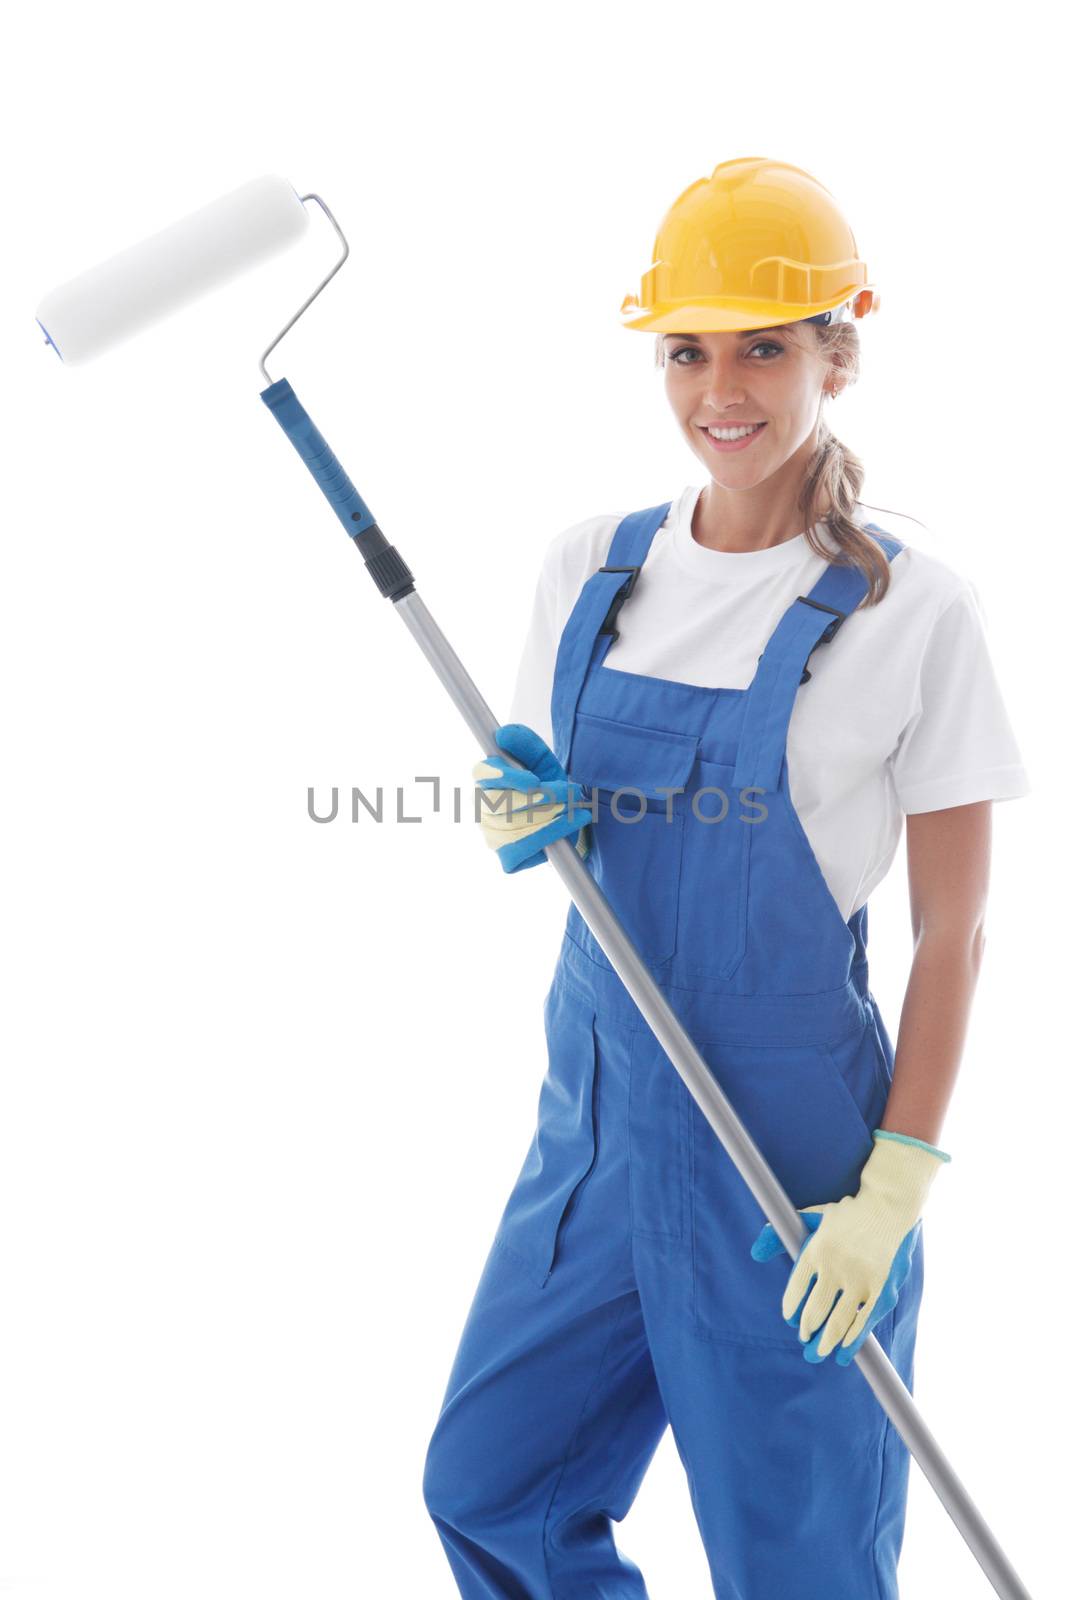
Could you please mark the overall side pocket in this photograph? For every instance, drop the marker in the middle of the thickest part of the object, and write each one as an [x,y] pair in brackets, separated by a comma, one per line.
[810,1132]
[563,1148]
[858,1064]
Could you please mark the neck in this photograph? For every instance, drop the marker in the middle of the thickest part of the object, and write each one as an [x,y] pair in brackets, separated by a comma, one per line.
[736,520]
[745,535]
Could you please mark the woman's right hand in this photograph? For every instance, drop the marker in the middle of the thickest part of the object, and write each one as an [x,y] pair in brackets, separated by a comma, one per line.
[531,804]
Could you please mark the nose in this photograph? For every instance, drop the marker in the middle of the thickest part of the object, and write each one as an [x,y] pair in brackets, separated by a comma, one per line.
[722,389]
[723,400]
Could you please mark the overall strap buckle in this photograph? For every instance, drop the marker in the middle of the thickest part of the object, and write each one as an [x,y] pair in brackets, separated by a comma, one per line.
[609,623]
[828,634]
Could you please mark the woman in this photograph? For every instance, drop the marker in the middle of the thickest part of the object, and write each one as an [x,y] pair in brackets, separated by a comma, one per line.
[746,691]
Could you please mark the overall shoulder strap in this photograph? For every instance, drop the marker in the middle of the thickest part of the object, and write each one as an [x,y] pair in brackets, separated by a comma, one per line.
[591,627]
[812,620]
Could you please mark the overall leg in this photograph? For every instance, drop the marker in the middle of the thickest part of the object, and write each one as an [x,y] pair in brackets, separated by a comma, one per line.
[797,1478]
[552,1412]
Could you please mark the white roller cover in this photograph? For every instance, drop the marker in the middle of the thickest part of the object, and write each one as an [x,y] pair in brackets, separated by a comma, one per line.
[139,286]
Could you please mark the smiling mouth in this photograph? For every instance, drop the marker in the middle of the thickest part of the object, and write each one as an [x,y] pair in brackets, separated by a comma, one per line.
[729,427]
[731,444]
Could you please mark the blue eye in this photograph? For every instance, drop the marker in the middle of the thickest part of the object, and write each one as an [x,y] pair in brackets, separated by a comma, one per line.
[690,349]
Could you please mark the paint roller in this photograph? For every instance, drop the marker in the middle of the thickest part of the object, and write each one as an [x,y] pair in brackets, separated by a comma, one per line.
[140,286]
[129,292]
[151,280]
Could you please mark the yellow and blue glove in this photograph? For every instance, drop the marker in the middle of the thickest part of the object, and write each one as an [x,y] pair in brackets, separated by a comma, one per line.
[536,802]
[860,1250]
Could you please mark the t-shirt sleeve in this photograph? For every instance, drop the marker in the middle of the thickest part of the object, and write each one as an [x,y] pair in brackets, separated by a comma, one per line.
[531,700]
[571,556]
[958,746]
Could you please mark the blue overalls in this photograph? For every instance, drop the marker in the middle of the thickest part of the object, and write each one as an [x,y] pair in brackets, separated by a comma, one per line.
[619,1293]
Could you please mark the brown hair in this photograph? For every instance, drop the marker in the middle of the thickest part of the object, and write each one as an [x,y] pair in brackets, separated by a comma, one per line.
[835,475]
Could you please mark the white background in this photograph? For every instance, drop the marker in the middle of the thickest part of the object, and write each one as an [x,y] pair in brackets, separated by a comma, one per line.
[266,1084]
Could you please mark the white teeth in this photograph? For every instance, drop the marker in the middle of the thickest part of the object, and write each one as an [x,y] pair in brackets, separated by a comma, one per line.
[733,433]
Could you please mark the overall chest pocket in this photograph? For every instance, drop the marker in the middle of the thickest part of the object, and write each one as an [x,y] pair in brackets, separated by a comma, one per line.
[716,854]
[636,848]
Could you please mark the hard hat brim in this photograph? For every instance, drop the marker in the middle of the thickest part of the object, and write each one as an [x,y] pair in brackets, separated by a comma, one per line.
[727,316]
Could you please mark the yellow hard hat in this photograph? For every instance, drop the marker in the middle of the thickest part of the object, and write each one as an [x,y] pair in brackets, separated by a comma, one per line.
[756,244]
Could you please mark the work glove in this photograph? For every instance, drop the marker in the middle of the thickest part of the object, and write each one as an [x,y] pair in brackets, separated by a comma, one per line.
[544,803]
[860,1251]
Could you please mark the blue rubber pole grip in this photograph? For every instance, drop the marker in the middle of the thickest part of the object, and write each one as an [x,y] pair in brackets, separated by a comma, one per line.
[353,512]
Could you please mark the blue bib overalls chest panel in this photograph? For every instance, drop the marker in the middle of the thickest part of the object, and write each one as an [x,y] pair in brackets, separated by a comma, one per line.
[623,1249]
[697,876]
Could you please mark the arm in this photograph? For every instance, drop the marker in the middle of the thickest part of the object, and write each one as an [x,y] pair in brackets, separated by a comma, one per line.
[948,875]
[954,757]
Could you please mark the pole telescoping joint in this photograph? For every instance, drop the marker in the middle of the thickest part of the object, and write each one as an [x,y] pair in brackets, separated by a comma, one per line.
[385,564]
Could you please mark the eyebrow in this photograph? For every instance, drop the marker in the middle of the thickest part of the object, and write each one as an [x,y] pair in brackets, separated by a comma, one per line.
[744,333]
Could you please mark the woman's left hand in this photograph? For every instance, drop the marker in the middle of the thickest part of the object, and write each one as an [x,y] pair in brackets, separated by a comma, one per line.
[860,1250]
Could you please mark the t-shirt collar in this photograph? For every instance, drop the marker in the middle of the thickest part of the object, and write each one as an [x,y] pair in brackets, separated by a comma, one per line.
[732,565]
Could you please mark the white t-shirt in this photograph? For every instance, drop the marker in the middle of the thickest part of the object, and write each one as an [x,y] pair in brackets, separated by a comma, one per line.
[902,712]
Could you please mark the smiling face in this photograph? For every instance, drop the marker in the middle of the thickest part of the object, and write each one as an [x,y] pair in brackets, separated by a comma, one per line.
[774,377]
